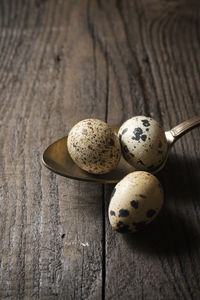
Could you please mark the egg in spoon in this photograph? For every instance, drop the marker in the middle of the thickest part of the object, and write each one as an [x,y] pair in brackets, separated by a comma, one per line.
[143,142]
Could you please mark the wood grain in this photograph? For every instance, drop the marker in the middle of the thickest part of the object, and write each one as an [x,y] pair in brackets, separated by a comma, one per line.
[51,228]
[63,61]
[161,263]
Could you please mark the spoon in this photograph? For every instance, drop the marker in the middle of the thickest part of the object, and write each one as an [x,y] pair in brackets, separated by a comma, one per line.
[56,157]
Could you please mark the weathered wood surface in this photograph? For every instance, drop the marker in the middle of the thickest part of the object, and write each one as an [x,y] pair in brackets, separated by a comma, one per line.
[63,61]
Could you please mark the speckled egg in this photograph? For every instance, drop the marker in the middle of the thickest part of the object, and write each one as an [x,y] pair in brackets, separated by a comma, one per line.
[94,146]
[136,200]
[143,143]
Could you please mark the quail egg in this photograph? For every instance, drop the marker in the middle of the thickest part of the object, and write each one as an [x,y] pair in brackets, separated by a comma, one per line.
[143,143]
[136,200]
[94,146]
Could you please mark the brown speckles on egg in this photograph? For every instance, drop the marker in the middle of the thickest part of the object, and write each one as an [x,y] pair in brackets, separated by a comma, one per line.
[112,143]
[136,201]
[150,213]
[124,130]
[144,137]
[94,146]
[112,213]
[146,140]
[146,122]
[123,213]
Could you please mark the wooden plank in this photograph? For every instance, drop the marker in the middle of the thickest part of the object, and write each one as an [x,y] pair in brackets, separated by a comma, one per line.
[62,61]
[156,45]
[50,227]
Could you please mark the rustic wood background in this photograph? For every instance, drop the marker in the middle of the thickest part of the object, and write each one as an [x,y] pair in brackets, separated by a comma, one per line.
[63,61]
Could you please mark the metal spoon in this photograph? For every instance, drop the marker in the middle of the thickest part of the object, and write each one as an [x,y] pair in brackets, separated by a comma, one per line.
[58,160]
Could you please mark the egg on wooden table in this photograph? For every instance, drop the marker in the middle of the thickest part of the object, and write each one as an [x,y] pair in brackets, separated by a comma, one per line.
[94,146]
[143,142]
[135,202]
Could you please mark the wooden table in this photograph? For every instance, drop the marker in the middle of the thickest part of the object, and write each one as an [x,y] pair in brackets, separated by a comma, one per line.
[64,61]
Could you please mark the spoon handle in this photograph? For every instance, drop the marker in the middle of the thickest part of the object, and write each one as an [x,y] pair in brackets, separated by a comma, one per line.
[184,127]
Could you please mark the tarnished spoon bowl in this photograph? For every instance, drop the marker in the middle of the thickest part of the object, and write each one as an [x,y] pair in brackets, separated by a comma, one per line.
[56,157]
